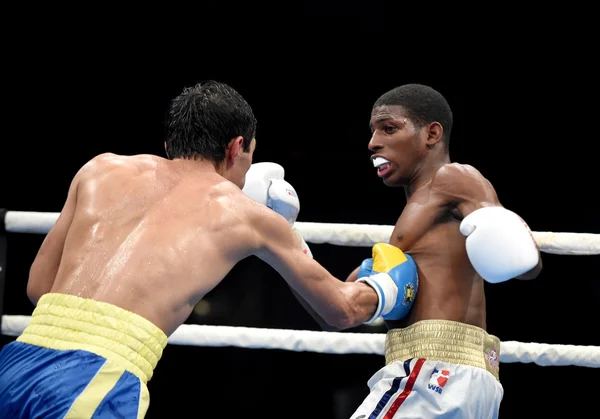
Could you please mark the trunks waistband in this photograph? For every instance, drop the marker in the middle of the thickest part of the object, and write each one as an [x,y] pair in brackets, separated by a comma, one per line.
[447,341]
[68,322]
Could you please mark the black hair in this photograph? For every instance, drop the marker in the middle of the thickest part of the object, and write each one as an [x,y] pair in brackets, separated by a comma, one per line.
[423,105]
[203,119]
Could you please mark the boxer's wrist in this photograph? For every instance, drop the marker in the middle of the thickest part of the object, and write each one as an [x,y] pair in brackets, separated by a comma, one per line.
[387,293]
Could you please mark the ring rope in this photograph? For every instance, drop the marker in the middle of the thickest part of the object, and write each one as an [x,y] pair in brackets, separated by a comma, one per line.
[342,343]
[354,235]
[357,235]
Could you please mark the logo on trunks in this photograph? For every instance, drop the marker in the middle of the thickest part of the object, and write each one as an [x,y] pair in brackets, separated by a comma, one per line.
[291,193]
[409,294]
[438,380]
[491,355]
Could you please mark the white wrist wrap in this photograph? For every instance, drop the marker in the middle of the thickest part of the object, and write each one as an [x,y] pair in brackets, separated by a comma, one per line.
[386,290]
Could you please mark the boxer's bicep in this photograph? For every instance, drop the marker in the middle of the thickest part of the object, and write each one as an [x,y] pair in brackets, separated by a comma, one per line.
[47,260]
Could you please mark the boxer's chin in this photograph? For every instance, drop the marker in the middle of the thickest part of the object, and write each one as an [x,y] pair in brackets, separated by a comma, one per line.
[392,179]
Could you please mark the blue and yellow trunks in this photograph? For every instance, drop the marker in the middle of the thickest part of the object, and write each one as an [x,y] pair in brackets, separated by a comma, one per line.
[79,358]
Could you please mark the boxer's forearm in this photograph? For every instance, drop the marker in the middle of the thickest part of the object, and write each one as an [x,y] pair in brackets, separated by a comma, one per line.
[364,302]
[320,321]
[359,302]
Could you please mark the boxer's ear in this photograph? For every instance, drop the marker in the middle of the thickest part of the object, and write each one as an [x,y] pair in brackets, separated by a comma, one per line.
[234,148]
[434,132]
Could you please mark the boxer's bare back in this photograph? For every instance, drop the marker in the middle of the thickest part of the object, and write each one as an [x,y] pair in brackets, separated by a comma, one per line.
[153,236]
[147,234]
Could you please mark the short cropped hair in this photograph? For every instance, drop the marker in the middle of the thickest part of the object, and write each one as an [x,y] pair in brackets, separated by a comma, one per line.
[423,105]
[203,119]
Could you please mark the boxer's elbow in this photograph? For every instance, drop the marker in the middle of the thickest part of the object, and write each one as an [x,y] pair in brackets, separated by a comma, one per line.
[37,285]
[33,293]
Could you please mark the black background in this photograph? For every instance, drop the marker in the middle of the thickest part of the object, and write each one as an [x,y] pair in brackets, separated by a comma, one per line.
[524,94]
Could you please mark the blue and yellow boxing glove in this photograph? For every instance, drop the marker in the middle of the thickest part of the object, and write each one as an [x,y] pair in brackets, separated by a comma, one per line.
[393,274]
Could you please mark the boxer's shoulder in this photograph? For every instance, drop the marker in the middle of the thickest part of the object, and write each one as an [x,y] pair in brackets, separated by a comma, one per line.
[456,181]
[451,172]
[107,161]
[235,205]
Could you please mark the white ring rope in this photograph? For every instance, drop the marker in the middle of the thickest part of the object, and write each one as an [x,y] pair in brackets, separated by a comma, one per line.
[357,235]
[354,235]
[342,343]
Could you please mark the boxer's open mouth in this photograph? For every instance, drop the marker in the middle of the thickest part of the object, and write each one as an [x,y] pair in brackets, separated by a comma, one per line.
[382,165]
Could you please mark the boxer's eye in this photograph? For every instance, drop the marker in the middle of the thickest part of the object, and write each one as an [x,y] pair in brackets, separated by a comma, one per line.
[389,129]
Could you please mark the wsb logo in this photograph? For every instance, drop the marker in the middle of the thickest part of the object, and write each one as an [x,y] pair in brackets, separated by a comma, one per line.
[438,380]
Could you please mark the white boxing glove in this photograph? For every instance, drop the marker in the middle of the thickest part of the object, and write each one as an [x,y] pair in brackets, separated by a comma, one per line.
[499,244]
[265,184]
[259,178]
[283,199]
